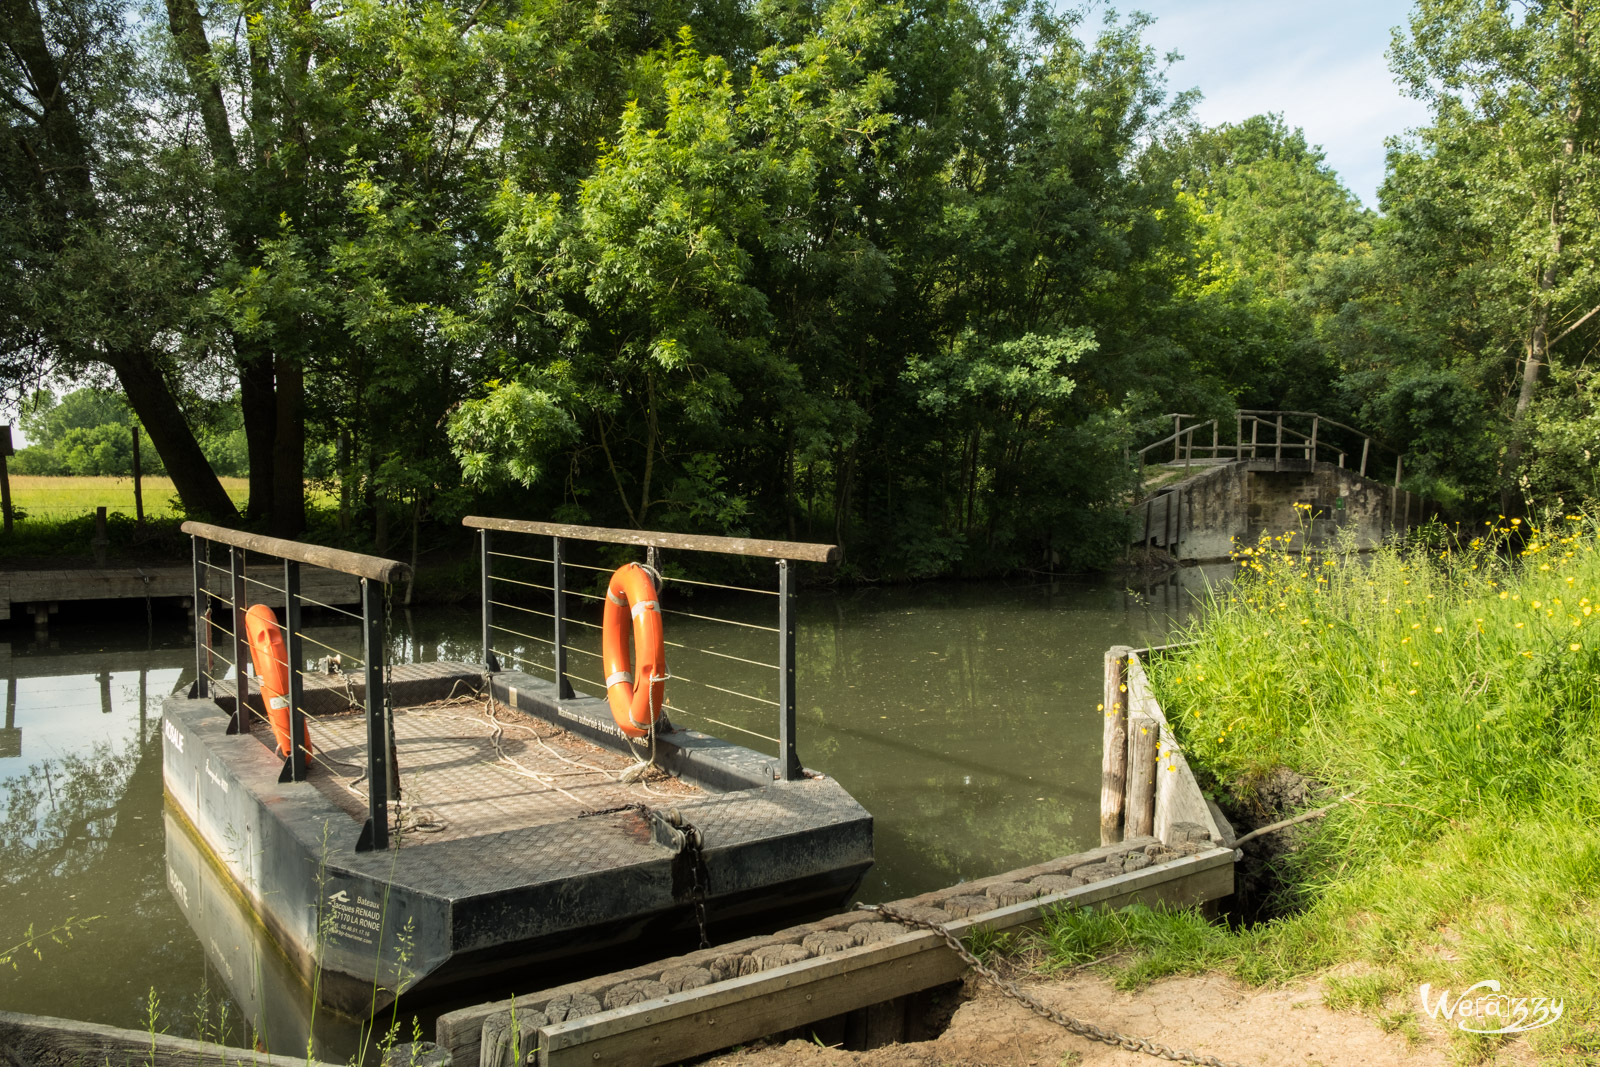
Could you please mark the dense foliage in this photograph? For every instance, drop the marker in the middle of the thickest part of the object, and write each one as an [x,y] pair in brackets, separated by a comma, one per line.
[907,276]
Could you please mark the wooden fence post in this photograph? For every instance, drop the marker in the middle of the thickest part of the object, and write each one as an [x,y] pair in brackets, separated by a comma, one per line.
[138,480]
[5,475]
[1114,745]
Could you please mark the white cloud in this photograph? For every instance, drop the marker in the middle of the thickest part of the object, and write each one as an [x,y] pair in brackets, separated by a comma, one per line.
[1323,67]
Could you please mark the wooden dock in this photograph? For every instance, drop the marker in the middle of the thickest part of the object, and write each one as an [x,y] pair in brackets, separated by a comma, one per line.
[854,970]
[40,593]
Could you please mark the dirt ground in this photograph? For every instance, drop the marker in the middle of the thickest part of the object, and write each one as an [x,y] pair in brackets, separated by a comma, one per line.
[1209,1015]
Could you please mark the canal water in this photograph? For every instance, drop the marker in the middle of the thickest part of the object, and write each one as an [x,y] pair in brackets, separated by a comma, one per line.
[963,716]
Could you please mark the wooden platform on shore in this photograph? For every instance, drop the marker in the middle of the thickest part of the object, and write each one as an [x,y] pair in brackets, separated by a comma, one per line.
[854,975]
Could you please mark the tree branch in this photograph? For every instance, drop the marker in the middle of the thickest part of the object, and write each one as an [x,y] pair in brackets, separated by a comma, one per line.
[36,116]
[1557,339]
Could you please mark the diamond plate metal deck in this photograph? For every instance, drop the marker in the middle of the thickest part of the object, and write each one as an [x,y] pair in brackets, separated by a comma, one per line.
[468,772]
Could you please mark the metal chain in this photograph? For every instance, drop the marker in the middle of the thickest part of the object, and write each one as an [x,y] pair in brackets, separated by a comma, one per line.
[1038,1007]
[388,635]
[697,868]
[393,776]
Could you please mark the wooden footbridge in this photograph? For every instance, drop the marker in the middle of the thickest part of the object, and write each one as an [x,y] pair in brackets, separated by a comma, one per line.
[1201,494]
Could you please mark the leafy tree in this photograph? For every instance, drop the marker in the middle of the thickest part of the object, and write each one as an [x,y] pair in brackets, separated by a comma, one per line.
[1504,181]
[88,241]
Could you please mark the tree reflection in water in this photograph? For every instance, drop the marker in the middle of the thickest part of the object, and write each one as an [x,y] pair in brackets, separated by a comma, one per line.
[81,835]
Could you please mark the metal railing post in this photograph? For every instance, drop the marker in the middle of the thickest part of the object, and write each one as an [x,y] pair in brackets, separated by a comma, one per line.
[489,660]
[558,586]
[788,760]
[294,652]
[1311,449]
[375,834]
[1277,456]
[202,620]
[241,648]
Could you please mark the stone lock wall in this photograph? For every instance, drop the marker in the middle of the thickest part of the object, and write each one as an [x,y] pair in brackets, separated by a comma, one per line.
[1205,516]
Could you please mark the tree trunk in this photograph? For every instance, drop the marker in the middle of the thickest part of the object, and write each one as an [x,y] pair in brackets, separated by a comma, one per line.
[259,403]
[343,461]
[197,484]
[288,518]
[1538,356]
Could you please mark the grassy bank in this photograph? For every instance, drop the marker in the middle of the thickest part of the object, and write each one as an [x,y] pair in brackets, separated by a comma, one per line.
[1457,695]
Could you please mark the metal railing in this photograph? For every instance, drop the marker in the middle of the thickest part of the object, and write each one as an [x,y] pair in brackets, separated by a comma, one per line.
[500,592]
[1270,437]
[377,576]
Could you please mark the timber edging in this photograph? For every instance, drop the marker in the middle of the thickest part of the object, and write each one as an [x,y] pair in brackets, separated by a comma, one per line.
[43,1041]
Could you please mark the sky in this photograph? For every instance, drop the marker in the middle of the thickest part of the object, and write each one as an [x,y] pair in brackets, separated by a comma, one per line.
[1321,64]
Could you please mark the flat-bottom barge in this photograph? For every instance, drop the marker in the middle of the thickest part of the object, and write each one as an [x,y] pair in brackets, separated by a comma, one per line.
[528,830]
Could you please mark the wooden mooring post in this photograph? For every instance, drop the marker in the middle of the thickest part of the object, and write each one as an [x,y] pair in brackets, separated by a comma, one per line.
[1114,745]
[1144,734]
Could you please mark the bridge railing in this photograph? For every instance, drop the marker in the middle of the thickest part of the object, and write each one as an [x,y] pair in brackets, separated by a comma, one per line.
[1267,434]
[514,605]
[377,578]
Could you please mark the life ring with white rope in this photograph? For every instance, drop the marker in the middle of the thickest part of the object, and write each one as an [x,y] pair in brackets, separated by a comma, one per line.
[636,691]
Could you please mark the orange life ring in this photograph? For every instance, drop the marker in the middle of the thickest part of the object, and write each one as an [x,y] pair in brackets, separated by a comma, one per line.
[636,708]
[271,660]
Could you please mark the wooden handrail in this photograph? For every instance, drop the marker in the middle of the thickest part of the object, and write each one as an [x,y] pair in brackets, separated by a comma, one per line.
[1175,436]
[1290,437]
[735,546]
[388,571]
[1254,412]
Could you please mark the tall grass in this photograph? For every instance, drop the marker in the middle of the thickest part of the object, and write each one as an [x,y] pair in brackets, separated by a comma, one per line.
[1455,688]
